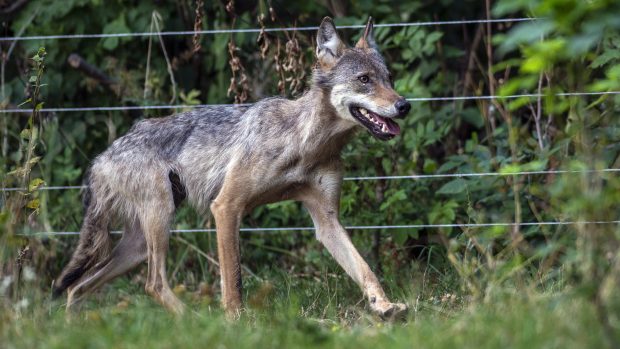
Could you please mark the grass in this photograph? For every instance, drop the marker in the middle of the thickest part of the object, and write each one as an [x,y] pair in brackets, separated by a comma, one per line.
[303,312]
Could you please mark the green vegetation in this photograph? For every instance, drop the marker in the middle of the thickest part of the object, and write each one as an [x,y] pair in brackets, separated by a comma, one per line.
[303,313]
[505,286]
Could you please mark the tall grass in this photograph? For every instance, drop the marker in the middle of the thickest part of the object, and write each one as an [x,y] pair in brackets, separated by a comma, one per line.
[301,312]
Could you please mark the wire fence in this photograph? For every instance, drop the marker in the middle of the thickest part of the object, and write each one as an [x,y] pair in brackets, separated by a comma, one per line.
[360,178]
[384,227]
[256,30]
[194,106]
[415,176]
[358,227]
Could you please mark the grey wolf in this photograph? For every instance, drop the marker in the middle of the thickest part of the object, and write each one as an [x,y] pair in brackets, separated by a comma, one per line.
[228,160]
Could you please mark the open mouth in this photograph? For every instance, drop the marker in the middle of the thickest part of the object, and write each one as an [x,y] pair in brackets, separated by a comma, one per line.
[379,126]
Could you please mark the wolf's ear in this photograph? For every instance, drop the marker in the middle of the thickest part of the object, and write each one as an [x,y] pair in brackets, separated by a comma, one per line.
[368,39]
[329,47]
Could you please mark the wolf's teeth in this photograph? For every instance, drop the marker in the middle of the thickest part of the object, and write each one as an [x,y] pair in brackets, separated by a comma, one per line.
[384,128]
[363,111]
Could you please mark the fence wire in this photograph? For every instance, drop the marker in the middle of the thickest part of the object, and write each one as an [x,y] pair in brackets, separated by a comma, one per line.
[416,176]
[256,30]
[357,227]
[244,105]
[415,99]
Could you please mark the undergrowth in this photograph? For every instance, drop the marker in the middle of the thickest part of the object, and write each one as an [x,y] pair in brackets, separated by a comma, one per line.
[298,312]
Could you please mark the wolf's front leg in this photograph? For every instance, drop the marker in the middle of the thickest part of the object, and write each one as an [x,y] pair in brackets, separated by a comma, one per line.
[323,208]
[227,221]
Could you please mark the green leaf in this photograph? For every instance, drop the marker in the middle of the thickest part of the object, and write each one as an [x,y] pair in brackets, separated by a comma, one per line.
[453,163]
[536,165]
[25,102]
[35,184]
[115,27]
[430,166]
[493,232]
[605,58]
[473,117]
[433,37]
[399,195]
[25,133]
[455,186]
[443,213]
[400,237]
[526,32]
[504,7]
[33,204]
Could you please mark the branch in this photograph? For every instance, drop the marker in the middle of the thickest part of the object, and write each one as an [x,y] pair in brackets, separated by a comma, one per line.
[9,11]
[76,61]
[538,113]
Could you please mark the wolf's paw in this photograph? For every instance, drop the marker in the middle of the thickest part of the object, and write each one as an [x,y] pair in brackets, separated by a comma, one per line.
[389,311]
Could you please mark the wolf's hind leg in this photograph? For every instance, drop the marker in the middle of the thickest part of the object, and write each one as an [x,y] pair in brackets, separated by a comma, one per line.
[156,221]
[128,253]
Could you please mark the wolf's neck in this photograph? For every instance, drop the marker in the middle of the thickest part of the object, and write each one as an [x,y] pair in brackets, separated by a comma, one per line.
[318,123]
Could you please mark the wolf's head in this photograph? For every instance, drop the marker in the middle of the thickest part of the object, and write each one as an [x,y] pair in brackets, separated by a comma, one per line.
[359,83]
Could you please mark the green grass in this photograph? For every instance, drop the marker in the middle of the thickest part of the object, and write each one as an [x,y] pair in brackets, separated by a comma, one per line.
[301,312]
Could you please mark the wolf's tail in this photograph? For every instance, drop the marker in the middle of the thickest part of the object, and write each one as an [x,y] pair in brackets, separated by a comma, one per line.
[93,246]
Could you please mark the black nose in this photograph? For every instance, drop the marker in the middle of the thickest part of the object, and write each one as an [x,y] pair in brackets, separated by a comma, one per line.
[403,107]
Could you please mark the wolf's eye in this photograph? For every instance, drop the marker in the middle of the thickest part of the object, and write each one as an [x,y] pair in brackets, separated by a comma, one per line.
[364,79]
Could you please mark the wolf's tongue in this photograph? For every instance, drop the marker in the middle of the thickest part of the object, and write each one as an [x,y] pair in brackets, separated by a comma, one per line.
[392,126]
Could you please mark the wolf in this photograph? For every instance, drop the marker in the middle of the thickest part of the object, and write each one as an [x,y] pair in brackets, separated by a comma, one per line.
[228,160]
